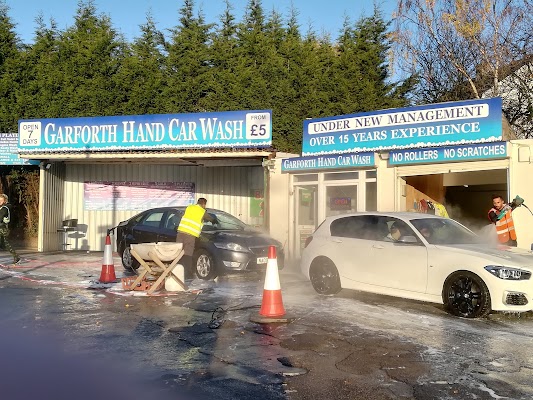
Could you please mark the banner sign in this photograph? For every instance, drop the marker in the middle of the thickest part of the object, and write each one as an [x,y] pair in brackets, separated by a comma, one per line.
[462,122]
[9,151]
[328,162]
[148,132]
[451,153]
[120,196]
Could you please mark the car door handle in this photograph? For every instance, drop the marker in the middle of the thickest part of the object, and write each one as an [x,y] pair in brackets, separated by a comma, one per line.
[377,246]
[336,240]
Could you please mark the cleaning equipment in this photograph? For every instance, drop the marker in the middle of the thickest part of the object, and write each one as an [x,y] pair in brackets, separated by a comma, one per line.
[108,267]
[519,201]
[272,309]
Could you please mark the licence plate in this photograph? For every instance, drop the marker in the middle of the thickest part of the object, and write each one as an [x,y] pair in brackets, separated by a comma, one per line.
[262,260]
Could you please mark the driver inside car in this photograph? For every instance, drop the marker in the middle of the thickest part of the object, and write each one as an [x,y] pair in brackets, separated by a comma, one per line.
[394,233]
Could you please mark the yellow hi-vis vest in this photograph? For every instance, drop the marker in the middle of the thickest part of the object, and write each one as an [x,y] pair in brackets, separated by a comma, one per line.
[192,221]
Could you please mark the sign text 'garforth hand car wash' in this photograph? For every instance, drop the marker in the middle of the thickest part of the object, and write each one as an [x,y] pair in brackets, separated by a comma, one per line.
[148,132]
[443,124]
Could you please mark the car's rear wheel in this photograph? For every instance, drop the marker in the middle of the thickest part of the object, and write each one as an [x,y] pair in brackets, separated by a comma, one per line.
[204,265]
[324,276]
[128,261]
[466,295]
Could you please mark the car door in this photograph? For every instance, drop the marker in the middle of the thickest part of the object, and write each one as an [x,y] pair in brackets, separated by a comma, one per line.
[397,265]
[349,249]
[148,229]
[171,221]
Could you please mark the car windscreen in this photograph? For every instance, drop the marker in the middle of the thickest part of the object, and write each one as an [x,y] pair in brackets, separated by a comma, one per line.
[225,222]
[444,231]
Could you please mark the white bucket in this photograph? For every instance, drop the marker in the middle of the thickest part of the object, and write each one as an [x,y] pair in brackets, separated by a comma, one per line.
[171,284]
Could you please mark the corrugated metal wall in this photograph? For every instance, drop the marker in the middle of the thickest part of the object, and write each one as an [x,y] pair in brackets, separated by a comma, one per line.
[225,188]
[51,189]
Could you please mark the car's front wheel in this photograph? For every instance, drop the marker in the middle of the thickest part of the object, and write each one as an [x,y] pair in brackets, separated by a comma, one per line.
[324,276]
[204,265]
[466,295]
[128,261]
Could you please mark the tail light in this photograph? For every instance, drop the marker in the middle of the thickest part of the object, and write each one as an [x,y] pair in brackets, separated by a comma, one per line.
[308,240]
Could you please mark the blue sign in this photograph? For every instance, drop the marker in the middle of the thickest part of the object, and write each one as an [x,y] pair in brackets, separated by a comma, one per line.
[462,122]
[446,154]
[148,132]
[9,151]
[328,162]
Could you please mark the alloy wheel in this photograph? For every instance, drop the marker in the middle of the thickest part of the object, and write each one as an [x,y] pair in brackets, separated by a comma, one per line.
[467,295]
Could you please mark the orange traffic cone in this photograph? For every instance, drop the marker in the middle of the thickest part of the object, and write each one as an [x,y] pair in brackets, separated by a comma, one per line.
[272,305]
[108,267]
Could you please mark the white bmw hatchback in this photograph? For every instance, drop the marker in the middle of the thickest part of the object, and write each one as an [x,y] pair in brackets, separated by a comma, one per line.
[421,257]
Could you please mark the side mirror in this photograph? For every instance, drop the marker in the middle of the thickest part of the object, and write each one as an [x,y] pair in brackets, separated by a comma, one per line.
[408,240]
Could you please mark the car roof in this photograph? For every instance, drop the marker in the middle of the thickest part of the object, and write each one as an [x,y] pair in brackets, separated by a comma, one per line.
[406,215]
[178,208]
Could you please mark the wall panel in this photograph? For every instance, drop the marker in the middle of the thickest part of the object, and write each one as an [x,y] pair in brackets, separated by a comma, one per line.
[226,188]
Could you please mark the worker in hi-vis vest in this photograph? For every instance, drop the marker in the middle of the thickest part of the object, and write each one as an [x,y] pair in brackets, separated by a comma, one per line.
[500,215]
[189,230]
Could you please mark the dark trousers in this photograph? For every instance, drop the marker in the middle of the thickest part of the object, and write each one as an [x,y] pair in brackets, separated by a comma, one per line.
[189,242]
[4,234]
[511,243]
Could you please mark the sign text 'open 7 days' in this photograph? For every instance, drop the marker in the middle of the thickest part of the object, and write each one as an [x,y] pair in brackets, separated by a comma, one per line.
[443,124]
[148,132]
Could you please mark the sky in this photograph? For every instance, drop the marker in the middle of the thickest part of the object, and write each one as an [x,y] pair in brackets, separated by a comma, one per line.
[128,15]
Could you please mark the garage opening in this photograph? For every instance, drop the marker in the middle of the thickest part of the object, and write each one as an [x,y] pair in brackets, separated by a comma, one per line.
[466,196]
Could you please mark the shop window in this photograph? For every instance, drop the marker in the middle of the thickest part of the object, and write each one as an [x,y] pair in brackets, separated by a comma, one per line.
[371,174]
[341,176]
[306,178]
[341,200]
[371,196]
[306,197]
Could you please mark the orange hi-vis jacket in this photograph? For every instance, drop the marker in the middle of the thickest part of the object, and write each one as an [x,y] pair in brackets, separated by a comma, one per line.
[192,220]
[504,224]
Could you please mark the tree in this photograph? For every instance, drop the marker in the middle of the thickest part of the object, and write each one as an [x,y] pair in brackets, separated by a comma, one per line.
[222,87]
[140,80]
[10,71]
[188,61]
[40,96]
[91,53]
[459,49]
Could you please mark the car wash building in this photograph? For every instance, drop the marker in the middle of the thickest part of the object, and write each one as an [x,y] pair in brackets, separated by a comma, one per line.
[98,171]
[447,158]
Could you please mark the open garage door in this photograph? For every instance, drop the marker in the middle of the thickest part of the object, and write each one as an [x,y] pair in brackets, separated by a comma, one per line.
[464,189]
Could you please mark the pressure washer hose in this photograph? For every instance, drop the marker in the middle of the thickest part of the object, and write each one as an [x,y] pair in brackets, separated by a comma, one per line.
[528,209]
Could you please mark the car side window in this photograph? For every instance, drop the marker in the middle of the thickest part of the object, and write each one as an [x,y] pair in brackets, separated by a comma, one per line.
[350,227]
[153,219]
[392,229]
[172,220]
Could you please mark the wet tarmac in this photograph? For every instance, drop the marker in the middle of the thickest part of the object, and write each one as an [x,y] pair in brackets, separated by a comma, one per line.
[202,344]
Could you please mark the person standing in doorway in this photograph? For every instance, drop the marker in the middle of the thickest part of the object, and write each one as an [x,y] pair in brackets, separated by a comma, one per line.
[501,215]
[189,230]
[5,219]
